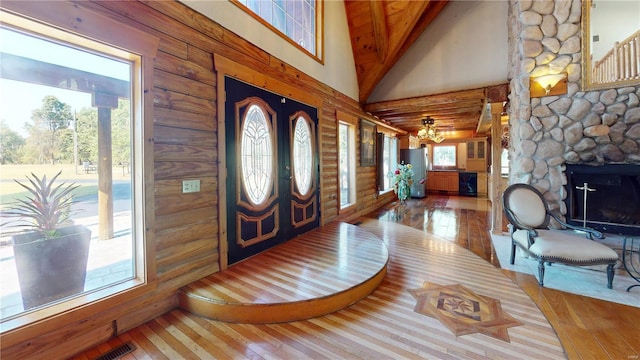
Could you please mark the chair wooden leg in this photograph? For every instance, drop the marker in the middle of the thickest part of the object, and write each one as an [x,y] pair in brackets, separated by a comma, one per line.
[541,272]
[610,274]
[513,253]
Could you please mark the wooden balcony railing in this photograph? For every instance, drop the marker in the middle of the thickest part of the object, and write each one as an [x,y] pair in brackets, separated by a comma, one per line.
[620,63]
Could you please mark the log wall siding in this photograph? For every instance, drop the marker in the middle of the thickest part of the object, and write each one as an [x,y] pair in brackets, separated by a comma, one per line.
[185,147]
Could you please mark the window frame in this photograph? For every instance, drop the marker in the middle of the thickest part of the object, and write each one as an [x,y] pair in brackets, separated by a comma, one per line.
[85,30]
[445,167]
[351,163]
[392,144]
[319,29]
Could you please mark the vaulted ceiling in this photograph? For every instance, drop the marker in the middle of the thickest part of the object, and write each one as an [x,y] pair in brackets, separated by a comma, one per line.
[381,32]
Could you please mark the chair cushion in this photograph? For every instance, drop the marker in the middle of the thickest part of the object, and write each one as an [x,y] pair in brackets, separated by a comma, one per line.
[566,247]
[528,207]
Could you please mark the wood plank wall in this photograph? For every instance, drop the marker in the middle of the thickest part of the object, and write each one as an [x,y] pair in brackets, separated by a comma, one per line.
[185,138]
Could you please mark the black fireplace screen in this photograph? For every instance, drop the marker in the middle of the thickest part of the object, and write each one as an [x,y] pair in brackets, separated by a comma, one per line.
[612,197]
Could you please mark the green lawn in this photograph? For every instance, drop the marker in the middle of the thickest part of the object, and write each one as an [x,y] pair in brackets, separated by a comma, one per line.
[9,190]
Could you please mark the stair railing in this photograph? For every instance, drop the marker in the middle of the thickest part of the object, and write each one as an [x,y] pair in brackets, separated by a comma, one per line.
[621,63]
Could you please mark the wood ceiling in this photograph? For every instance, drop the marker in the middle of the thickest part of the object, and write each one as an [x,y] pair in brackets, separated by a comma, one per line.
[458,110]
[381,32]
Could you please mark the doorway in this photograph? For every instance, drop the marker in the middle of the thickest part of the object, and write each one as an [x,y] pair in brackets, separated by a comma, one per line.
[272,169]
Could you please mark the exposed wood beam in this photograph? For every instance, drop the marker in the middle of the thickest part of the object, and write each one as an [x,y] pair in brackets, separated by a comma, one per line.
[428,100]
[456,110]
[402,17]
[429,111]
[380,31]
[484,123]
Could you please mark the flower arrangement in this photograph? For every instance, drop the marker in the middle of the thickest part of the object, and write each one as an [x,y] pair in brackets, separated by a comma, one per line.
[402,179]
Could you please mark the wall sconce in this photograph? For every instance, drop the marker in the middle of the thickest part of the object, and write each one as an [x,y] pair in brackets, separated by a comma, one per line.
[548,85]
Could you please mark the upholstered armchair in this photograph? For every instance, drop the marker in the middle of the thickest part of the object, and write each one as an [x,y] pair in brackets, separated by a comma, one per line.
[529,215]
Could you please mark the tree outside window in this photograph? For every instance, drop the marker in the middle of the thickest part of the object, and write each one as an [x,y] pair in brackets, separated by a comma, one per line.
[444,156]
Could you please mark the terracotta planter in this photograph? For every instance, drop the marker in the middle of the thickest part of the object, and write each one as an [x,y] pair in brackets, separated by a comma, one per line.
[49,270]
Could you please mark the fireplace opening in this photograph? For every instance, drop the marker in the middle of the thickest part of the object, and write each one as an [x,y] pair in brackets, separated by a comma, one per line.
[612,197]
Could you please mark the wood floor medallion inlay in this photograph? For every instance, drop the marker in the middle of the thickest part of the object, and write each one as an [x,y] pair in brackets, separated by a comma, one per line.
[463,311]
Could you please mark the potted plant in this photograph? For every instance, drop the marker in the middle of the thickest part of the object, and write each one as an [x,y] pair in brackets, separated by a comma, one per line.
[51,254]
[402,179]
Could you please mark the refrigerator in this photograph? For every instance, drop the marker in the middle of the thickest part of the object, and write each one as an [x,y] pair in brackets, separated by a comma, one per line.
[419,161]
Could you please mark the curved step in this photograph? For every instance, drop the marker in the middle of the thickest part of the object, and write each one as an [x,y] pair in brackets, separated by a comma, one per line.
[317,273]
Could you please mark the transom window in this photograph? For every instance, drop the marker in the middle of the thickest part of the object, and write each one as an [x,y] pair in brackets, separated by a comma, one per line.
[298,21]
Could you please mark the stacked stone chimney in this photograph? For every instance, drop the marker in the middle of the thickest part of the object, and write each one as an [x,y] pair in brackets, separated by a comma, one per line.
[592,127]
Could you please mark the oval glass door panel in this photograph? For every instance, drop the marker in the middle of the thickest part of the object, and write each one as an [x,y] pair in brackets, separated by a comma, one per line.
[256,155]
[302,156]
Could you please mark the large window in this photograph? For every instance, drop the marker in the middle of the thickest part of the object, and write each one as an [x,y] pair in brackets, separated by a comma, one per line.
[444,156]
[298,21]
[68,114]
[346,150]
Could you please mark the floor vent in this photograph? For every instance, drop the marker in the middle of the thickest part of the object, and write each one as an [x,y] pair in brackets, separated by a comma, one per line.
[117,352]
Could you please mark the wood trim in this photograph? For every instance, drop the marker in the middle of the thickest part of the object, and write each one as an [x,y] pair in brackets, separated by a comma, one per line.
[342,116]
[86,23]
[223,247]
[243,73]
[496,166]
[49,319]
[146,250]
[353,119]
[348,118]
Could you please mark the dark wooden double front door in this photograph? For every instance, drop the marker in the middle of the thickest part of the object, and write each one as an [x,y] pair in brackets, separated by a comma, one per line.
[272,169]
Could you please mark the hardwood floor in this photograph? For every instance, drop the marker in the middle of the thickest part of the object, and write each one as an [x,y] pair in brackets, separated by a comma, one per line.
[588,328]
[300,276]
[380,326]
[462,220]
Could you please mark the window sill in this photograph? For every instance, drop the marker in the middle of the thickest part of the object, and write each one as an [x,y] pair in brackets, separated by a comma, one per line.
[347,208]
[58,315]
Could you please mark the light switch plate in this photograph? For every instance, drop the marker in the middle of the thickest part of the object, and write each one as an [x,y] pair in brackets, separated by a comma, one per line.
[190,186]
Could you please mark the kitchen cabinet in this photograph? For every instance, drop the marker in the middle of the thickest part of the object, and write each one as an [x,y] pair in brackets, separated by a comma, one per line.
[477,154]
[409,142]
[482,184]
[442,181]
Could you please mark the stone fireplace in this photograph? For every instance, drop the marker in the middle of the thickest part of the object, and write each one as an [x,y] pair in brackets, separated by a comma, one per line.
[591,128]
[612,199]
